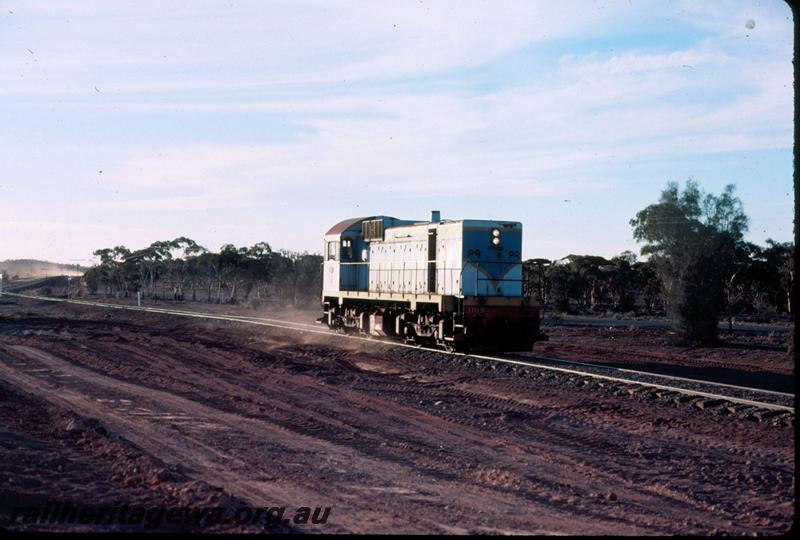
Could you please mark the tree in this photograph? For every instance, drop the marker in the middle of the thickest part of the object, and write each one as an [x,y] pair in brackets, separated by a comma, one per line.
[536,283]
[563,286]
[114,273]
[650,287]
[176,266]
[692,239]
[622,280]
[734,283]
[260,264]
[151,263]
[589,275]
[780,258]
[299,276]
[230,271]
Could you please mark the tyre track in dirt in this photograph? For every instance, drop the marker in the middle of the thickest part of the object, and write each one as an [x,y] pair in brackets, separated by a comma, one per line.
[414,453]
[178,442]
[627,466]
[205,457]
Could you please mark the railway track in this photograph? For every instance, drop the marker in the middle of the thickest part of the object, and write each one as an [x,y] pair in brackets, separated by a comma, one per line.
[712,394]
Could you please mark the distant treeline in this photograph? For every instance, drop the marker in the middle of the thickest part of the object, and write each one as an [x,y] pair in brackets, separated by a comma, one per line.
[758,285]
[181,269]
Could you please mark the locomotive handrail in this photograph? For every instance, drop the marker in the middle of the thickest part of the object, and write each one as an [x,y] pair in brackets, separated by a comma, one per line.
[353,281]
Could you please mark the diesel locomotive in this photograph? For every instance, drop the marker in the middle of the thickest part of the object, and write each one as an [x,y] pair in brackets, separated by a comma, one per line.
[452,283]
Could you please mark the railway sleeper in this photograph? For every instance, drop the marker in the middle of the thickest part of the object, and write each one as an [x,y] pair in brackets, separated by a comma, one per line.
[648,393]
[683,399]
[635,389]
[765,414]
[666,394]
[709,403]
[746,411]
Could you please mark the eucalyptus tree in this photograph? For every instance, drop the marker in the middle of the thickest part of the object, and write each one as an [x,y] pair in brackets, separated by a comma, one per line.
[536,281]
[780,258]
[175,263]
[623,280]
[298,277]
[591,274]
[149,262]
[649,287]
[113,273]
[692,238]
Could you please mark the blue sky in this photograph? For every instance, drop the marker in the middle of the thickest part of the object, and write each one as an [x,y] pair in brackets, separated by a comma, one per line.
[237,122]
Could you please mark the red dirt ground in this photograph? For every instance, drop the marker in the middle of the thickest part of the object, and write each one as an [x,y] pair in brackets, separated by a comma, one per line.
[759,360]
[154,410]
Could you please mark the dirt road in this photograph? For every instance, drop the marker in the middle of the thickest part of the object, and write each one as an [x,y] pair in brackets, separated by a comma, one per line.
[154,410]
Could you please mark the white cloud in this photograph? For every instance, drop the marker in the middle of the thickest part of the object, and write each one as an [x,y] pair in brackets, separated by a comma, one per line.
[535,140]
[164,46]
[632,62]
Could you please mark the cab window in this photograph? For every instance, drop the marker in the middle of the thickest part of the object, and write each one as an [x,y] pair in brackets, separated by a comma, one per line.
[347,249]
[332,249]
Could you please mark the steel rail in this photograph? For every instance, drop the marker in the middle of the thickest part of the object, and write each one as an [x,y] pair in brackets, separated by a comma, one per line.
[665,376]
[303,327]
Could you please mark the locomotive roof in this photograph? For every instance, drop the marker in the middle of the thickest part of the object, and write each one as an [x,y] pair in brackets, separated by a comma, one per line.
[344,225]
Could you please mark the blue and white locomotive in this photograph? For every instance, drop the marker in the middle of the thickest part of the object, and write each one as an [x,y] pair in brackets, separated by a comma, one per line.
[456,283]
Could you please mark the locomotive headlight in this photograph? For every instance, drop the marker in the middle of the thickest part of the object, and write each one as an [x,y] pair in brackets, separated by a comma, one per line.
[496,233]
[496,240]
